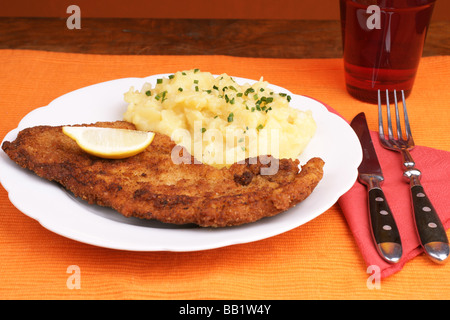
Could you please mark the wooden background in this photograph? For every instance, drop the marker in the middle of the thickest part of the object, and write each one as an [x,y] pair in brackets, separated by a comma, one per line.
[191,9]
[244,28]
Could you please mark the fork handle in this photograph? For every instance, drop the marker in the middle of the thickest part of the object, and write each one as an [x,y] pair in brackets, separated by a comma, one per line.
[429,227]
[430,230]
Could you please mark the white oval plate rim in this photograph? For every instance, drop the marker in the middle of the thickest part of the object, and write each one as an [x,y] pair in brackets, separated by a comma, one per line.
[56,211]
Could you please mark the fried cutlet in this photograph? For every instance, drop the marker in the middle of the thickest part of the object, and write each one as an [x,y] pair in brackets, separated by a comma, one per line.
[151,186]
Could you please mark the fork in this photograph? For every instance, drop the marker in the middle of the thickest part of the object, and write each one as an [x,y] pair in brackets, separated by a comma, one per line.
[430,230]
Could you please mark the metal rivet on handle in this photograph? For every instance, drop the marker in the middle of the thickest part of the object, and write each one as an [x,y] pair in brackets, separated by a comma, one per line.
[420,195]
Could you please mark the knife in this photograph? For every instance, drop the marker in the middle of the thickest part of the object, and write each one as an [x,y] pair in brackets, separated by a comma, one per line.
[382,223]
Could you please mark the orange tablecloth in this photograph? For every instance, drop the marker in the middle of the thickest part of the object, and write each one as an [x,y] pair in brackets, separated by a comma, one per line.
[318,260]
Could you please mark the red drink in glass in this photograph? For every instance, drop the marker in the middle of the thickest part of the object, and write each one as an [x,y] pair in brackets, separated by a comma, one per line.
[383,56]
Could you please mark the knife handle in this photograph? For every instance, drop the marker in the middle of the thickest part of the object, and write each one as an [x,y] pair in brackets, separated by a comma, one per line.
[429,227]
[384,228]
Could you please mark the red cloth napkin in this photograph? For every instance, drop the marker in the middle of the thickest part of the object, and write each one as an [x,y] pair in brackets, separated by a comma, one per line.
[435,167]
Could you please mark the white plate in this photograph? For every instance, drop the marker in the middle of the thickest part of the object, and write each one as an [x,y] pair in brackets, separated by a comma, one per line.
[335,142]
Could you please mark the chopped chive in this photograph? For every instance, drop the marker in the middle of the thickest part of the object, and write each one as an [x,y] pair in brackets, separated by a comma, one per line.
[215,117]
[159,81]
[203,130]
[249,90]
[289,98]
[282,94]
[215,87]
[164,96]
[233,88]
[243,148]
[196,88]
[232,101]
[207,91]
[227,99]
[262,89]
[196,70]
[259,127]
[230,117]
[183,73]
[180,89]
[255,97]
[171,76]
[241,140]
[148,93]
[196,81]
[239,94]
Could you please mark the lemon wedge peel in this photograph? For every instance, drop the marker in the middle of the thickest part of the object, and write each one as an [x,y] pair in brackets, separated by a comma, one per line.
[110,143]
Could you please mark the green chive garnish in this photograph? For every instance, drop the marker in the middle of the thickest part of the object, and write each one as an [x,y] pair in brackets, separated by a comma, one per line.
[249,90]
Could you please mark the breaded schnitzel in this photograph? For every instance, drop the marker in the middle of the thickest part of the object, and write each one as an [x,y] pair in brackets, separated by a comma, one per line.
[150,186]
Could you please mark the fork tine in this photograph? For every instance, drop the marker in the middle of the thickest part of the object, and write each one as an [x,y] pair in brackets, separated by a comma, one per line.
[397,117]
[380,118]
[389,121]
[405,114]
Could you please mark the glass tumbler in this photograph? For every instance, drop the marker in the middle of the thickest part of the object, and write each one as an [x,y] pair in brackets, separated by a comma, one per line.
[383,42]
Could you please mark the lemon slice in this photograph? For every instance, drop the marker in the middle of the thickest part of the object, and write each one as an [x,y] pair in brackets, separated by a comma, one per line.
[110,143]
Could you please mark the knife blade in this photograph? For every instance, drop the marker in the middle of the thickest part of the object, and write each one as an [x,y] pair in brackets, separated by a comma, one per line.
[384,229]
